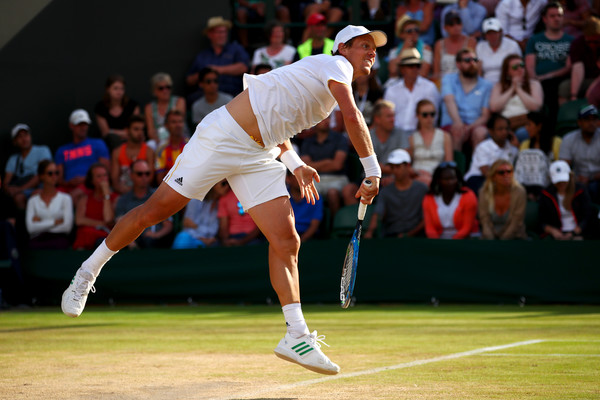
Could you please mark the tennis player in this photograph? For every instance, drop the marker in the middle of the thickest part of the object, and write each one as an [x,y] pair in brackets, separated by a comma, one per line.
[241,142]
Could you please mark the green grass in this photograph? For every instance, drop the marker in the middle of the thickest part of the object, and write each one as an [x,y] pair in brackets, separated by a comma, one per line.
[177,352]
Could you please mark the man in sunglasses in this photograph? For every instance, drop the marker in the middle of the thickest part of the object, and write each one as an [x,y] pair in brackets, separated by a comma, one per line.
[581,149]
[159,235]
[212,99]
[465,105]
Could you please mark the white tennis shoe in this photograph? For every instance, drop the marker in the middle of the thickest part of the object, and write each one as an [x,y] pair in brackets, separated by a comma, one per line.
[306,351]
[74,298]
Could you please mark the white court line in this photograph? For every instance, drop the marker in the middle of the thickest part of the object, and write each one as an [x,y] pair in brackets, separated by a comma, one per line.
[538,355]
[383,369]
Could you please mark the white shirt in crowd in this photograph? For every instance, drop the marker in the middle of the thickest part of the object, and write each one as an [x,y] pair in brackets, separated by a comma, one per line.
[406,101]
[487,152]
[517,22]
[60,207]
[491,61]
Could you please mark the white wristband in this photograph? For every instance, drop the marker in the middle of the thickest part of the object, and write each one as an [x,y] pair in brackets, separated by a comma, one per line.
[291,160]
[371,166]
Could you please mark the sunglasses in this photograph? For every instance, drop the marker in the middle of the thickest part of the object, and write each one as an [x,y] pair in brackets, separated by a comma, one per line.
[142,173]
[447,164]
[428,114]
[410,65]
[503,172]
[51,173]
[209,81]
[455,22]
[412,30]
[470,59]
[165,87]
[517,66]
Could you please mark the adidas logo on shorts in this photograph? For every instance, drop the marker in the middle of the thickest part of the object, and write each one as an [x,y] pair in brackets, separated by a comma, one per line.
[179,181]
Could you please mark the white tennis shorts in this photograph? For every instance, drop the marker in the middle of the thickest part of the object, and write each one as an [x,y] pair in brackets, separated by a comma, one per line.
[220,149]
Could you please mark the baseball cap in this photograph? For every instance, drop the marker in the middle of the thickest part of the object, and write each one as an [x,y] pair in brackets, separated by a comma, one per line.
[398,156]
[18,128]
[78,116]
[587,111]
[559,171]
[410,56]
[491,24]
[316,19]
[352,31]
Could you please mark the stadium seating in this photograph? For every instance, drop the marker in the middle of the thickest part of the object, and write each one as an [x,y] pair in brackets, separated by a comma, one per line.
[345,219]
[566,120]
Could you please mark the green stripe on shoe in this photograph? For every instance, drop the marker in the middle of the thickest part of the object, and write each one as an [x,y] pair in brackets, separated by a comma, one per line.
[299,344]
[303,353]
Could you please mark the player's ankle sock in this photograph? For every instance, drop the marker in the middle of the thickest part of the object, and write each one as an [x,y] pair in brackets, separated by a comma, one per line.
[96,261]
[294,319]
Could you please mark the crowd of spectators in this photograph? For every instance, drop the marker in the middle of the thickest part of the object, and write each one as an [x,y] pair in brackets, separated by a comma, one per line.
[462,107]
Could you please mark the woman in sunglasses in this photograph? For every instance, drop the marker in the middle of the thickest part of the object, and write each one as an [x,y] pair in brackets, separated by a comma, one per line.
[429,145]
[449,209]
[155,111]
[516,94]
[49,214]
[502,202]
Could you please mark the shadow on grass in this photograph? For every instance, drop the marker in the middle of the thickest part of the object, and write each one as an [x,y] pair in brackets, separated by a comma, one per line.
[53,327]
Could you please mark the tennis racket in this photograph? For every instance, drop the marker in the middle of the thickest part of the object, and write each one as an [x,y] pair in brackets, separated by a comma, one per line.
[351,261]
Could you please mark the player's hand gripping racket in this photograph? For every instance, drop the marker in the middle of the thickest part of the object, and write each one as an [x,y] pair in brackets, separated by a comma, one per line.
[351,261]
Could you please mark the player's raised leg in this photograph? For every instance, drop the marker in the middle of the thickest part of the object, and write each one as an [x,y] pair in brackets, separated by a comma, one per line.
[275,219]
[161,205]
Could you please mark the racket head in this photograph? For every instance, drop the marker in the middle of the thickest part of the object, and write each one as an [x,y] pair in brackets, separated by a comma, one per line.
[350,266]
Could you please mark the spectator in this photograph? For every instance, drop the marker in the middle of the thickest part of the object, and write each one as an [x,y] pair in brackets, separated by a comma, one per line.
[593,93]
[449,208]
[113,112]
[498,146]
[212,98]
[471,14]
[446,49]
[307,216]
[366,91]
[502,202]
[494,49]
[21,176]
[317,42]
[536,154]
[583,61]
[253,11]
[576,13]
[156,111]
[400,204]
[409,90]
[374,10]
[519,18]
[229,59]
[465,106]
[407,30]
[236,227]
[428,146]
[386,137]
[134,149]
[547,55]
[49,215]
[566,212]
[422,11]
[516,94]
[167,155]
[94,212]
[200,221]
[260,69]
[158,235]
[326,151]
[75,159]
[277,53]
[581,149]
[333,10]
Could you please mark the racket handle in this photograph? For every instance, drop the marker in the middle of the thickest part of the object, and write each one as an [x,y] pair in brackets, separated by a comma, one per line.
[362,207]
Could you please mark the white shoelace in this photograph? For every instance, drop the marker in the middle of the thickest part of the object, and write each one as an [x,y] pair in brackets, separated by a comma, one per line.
[83,289]
[317,340]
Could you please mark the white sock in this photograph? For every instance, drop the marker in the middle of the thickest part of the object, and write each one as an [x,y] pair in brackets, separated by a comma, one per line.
[96,261]
[294,319]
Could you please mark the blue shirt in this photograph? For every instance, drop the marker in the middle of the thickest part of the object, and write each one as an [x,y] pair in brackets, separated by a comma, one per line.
[472,17]
[232,53]
[21,168]
[305,212]
[469,104]
[76,159]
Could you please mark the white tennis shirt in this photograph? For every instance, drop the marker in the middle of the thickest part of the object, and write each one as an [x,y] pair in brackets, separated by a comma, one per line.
[295,97]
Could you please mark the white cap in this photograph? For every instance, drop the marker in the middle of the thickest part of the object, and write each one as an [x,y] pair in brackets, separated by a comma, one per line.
[559,171]
[78,116]
[491,24]
[399,156]
[18,128]
[352,31]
